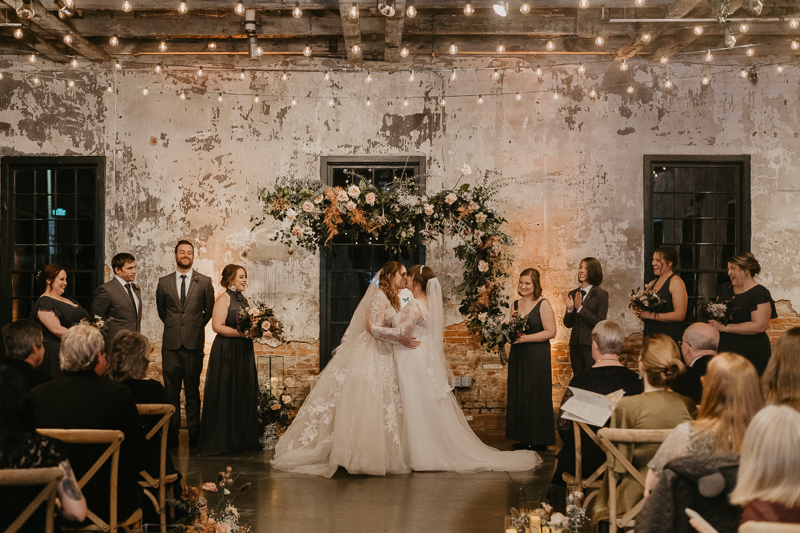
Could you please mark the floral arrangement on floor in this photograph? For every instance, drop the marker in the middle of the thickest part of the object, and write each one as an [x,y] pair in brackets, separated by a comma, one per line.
[274,411]
[646,298]
[721,312]
[539,520]
[214,512]
[260,324]
[314,214]
[97,322]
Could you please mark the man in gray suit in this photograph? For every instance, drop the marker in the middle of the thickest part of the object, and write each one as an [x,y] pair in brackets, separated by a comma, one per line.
[119,301]
[185,301]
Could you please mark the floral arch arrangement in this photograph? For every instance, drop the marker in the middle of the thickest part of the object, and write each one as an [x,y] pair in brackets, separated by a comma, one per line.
[314,214]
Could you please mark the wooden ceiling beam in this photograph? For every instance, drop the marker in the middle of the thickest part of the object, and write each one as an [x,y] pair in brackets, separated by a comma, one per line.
[46,49]
[677,10]
[394,32]
[226,6]
[669,46]
[351,32]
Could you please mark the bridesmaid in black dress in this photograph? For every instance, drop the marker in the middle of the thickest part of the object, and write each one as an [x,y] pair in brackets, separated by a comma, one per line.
[56,313]
[529,411]
[668,316]
[230,402]
[752,307]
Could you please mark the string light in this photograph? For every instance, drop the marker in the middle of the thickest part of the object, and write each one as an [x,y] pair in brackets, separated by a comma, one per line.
[555,95]
[18,33]
[411,12]
[405,102]
[200,72]
[353,11]
[68,39]
[624,65]
[162,46]
[645,37]
[780,69]
[518,97]
[284,76]
[126,6]
[584,4]
[453,75]
[668,83]
[750,51]
[480,99]
[443,102]
[592,94]
[468,10]
[639,3]
[525,9]
[158,69]
[71,83]
[118,65]
[294,100]
[259,51]
[538,70]
[705,80]
[327,75]
[664,60]
[32,58]
[404,52]
[453,49]
[36,80]
[795,45]
[501,49]
[356,48]
[581,68]
[307,51]
[114,40]
[550,46]
[239,9]
[219,98]
[709,56]
[599,41]
[212,45]
[145,91]
[369,102]
[744,28]
[496,74]
[256,99]
[110,89]
[369,77]
[411,76]
[698,30]
[331,102]
[182,9]
[242,75]
[743,73]
[794,23]
[183,94]
[74,63]
[297,12]
[630,89]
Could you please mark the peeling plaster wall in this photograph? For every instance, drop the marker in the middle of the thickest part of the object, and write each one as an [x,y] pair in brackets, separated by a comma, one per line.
[191,169]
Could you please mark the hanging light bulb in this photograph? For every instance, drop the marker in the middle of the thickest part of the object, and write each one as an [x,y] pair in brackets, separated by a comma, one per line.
[501,8]
[65,12]
[538,70]
[369,102]
[405,102]
[624,65]
[750,51]
[555,95]
[200,72]
[581,68]
[297,12]
[183,94]
[468,10]
[369,77]
[709,56]
[780,69]
[744,28]
[356,48]
[331,102]
[182,8]
[158,69]
[795,45]
[32,58]
[242,75]
[525,9]
[353,13]
[630,89]
[550,46]
[599,41]
[18,33]
[256,99]
[294,100]
[411,76]
[404,52]
[517,97]
[453,49]
[443,102]
[219,98]
[239,9]
[743,73]
[162,46]
[453,75]
[411,12]
[126,6]
[74,63]
[110,89]
[68,38]
[307,51]
[212,45]
[259,51]
[327,75]
[71,83]
[668,83]
[705,80]
[496,74]
[639,3]
[501,49]
[480,99]
[664,60]
[284,76]
[584,4]
[145,91]
[592,94]
[36,80]
[118,65]
[793,22]
[645,37]
[698,30]
[114,40]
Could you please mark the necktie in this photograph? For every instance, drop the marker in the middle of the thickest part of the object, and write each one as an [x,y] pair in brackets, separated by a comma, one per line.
[583,293]
[183,289]
[133,300]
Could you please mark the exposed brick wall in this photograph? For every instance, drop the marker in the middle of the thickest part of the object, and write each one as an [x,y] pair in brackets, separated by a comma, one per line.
[485,401]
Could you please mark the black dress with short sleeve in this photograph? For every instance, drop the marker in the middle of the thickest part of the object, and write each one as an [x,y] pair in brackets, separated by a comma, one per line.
[529,410]
[673,330]
[755,348]
[68,315]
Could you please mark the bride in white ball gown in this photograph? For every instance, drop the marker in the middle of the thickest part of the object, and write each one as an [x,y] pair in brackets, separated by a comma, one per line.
[436,432]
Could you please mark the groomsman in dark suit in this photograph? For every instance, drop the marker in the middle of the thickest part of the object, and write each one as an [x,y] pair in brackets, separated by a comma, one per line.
[119,301]
[586,306]
[185,300]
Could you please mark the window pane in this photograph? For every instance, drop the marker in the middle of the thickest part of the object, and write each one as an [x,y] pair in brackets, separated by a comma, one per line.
[63,207]
[662,181]
[86,206]
[86,257]
[86,180]
[44,205]
[24,258]
[704,180]
[684,206]
[21,308]
[23,181]
[707,285]
[662,206]
[43,182]
[83,285]
[724,253]
[726,205]
[65,232]
[25,231]
[688,258]
[662,232]
[704,230]
[343,283]
[684,181]
[65,181]
[23,205]
[726,231]
[726,183]
[22,285]
[704,205]
[85,233]
[706,257]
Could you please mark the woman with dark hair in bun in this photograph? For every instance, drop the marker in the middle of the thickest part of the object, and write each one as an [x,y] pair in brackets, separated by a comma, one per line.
[668,316]
[56,313]
[752,307]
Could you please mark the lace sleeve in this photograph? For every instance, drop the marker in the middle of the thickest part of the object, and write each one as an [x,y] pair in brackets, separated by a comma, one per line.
[406,320]
[674,446]
[378,306]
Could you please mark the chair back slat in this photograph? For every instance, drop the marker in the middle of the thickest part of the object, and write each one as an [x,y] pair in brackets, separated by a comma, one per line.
[49,477]
[166,411]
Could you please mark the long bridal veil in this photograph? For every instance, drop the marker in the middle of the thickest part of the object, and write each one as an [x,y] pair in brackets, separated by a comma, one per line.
[438,368]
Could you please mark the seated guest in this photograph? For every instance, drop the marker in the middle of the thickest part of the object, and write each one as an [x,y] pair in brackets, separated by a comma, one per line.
[656,408]
[24,344]
[769,467]
[22,447]
[607,375]
[781,379]
[82,399]
[698,346]
[731,398]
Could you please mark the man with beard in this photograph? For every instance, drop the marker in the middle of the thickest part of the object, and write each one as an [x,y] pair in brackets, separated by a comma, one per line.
[185,300]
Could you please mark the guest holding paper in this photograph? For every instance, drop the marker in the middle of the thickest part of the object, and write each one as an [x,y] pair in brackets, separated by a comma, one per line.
[607,375]
[586,306]
[669,315]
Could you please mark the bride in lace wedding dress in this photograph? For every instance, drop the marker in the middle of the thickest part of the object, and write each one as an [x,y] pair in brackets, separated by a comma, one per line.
[436,431]
[353,415]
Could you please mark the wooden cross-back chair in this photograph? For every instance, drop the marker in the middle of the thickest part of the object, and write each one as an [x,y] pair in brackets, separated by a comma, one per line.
[609,436]
[768,527]
[593,482]
[23,477]
[113,438]
[165,411]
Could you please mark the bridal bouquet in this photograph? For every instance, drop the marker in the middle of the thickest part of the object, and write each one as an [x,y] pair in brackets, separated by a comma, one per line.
[646,299]
[500,333]
[719,311]
[214,513]
[96,322]
[260,323]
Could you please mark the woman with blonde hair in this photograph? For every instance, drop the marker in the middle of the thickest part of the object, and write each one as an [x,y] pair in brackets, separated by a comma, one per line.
[769,467]
[656,408]
[731,398]
[781,379]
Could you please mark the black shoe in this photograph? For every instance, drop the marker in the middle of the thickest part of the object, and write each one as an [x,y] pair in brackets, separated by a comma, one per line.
[193,441]
[519,446]
[537,448]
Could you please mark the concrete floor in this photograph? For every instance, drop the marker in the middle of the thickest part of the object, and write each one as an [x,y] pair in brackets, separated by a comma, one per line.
[425,502]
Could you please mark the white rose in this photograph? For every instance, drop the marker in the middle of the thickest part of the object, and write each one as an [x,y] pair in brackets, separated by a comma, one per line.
[482,317]
[473,206]
[483,266]
[289,382]
[370,198]
[353,191]
[496,247]
[428,209]
[253,311]
[558,518]
[291,214]
[351,206]
[480,218]
[286,399]
[342,196]
[318,199]
[308,207]
[297,231]
[450,198]
[466,170]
